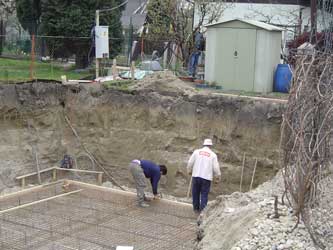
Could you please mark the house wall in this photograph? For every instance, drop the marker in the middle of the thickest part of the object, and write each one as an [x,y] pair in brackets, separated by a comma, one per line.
[285,15]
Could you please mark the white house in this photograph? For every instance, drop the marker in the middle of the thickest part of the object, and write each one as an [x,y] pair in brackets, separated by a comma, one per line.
[292,15]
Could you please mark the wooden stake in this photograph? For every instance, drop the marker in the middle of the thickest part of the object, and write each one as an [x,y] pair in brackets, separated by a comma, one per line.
[114,69]
[32,57]
[133,70]
[241,180]
[254,172]
[189,188]
[54,174]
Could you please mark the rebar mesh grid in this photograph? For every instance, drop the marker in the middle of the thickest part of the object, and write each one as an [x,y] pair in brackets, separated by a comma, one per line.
[93,219]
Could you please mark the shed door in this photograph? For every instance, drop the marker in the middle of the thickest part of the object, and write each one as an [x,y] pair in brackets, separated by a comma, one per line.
[235,58]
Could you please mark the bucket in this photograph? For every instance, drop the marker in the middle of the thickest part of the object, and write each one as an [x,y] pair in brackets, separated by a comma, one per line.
[282,78]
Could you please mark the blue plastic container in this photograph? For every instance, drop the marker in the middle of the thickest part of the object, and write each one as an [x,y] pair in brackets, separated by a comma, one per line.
[282,78]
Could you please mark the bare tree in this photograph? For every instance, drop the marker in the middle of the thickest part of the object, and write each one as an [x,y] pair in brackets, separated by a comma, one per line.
[173,20]
[7,7]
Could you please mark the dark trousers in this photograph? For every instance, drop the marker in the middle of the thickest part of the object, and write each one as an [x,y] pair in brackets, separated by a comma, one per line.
[200,190]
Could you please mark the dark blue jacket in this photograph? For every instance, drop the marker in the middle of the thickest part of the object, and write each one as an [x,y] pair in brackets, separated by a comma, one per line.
[151,171]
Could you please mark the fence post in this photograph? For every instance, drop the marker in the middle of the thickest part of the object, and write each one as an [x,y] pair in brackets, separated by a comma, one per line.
[165,55]
[133,70]
[32,57]
[114,69]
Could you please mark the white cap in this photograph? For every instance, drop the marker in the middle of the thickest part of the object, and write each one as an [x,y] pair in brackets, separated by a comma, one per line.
[208,142]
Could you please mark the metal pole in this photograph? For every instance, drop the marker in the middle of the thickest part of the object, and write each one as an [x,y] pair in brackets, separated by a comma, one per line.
[97,60]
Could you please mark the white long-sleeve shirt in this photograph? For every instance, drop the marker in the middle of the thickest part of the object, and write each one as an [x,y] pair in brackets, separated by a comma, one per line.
[203,163]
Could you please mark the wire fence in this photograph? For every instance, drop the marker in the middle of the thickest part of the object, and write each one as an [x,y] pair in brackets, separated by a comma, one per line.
[49,57]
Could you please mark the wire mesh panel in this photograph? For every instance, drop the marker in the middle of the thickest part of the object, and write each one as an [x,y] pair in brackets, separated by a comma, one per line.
[92,219]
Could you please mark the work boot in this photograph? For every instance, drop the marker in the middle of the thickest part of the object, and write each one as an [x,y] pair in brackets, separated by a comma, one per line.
[143,204]
[146,199]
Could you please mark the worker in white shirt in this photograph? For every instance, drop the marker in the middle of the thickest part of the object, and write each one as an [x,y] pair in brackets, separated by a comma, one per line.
[203,166]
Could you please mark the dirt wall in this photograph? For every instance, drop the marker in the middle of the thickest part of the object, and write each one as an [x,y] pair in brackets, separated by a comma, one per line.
[159,122]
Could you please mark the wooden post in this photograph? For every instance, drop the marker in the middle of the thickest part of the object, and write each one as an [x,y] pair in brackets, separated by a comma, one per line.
[133,70]
[54,174]
[32,57]
[23,182]
[114,69]
[241,180]
[100,179]
[142,48]
[174,56]
[165,55]
[37,167]
[254,172]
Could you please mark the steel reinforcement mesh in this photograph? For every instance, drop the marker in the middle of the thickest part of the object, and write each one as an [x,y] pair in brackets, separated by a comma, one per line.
[93,219]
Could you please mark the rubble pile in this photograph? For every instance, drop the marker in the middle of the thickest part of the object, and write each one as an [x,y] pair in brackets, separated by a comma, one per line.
[249,221]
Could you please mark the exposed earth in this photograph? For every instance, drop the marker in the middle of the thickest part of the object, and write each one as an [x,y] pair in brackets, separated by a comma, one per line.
[162,119]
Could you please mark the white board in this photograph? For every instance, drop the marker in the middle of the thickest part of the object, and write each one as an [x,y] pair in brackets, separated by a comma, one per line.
[102,41]
[124,248]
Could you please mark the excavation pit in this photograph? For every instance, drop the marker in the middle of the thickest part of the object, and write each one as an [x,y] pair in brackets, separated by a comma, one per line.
[89,217]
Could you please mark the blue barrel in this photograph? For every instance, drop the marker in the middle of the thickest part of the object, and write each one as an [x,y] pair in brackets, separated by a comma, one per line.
[282,78]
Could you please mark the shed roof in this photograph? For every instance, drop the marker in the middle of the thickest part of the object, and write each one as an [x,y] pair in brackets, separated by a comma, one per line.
[258,24]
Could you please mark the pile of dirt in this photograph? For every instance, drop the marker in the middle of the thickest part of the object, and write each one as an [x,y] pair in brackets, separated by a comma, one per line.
[165,82]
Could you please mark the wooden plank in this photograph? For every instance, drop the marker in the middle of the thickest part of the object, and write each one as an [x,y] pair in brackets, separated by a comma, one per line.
[39,201]
[79,170]
[83,185]
[29,190]
[57,168]
[34,173]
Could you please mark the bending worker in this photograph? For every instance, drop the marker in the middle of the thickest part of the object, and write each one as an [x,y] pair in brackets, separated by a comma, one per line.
[142,169]
[203,165]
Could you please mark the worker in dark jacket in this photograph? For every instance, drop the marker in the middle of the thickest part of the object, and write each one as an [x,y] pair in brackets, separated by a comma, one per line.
[142,169]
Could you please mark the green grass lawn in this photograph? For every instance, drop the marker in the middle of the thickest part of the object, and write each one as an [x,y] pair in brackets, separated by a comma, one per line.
[13,70]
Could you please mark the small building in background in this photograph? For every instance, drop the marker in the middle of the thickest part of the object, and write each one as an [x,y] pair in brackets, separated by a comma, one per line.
[242,55]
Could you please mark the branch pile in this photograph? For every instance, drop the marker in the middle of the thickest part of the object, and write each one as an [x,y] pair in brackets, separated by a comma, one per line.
[306,145]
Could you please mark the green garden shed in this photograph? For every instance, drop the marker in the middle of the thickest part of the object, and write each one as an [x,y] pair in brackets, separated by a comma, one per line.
[242,55]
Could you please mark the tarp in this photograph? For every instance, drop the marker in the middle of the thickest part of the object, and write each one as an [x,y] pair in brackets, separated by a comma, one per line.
[138,74]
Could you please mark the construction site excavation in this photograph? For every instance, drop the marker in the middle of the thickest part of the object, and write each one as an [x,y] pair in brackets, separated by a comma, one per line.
[93,205]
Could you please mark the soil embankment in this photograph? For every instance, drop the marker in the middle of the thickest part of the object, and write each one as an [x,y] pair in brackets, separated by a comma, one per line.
[160,119]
